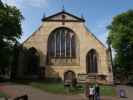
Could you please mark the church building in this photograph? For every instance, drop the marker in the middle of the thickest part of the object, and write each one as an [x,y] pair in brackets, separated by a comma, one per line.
[64,48]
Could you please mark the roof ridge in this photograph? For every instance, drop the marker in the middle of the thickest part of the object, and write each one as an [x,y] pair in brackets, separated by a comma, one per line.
[65,12]
[98,40]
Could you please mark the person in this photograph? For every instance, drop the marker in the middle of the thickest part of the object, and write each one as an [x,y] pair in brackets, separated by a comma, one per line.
[91,92]
[122,93]
[97,92]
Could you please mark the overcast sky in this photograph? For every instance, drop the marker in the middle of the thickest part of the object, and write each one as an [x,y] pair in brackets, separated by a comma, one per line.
[97,13]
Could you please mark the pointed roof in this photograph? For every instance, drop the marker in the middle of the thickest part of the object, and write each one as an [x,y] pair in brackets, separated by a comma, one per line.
[59,17]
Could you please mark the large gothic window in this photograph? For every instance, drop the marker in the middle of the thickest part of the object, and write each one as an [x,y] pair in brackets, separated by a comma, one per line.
[61,43]
[91,61]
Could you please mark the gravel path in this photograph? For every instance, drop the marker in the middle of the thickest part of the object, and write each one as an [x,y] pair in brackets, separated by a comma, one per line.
[35,94]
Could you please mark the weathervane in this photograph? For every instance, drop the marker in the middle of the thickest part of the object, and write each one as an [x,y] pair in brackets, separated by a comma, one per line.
[44,15]
[63,8]
[63,16]
[82,16]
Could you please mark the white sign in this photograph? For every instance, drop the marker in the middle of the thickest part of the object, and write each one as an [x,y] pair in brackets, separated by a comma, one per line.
[82,77]
[86,78]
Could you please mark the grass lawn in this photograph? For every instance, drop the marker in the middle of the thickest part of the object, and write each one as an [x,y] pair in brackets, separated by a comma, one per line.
[49,87]
[58,88]
[2,94]
[107,90]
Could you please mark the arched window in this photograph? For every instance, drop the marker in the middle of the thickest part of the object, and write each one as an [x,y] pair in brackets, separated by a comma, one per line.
[61,43]
[91,61]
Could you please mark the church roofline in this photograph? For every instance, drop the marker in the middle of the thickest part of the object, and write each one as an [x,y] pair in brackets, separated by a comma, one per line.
[31,35]
[98,40]
[63,11]
[94,36]
[28,37]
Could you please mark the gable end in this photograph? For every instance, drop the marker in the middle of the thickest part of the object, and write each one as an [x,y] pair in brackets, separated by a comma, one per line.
[49,18]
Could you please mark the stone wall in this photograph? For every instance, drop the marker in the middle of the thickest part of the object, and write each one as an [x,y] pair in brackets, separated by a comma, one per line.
[85,42]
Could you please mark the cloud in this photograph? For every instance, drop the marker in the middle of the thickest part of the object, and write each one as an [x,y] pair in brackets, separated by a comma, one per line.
[102,24]
[27,3]
[35,3]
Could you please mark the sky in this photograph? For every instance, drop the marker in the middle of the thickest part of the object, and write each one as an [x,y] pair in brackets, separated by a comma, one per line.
[97,13]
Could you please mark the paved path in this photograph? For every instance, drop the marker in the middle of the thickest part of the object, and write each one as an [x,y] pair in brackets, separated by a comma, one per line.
[35,94]
[128,90]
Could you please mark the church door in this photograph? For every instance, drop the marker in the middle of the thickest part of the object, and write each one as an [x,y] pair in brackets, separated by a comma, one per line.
[91,62]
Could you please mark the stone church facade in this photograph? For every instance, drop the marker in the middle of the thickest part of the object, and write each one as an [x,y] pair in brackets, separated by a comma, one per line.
[67,49]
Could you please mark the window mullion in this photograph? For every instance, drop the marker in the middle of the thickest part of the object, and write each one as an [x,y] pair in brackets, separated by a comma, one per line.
[60,43]
[55,45]
[90,63]
[70,46]
[93,62]
[65,42]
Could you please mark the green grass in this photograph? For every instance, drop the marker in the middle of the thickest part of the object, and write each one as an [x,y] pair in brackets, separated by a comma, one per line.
[107,90]
[2,94]
[58,88]
[49,87]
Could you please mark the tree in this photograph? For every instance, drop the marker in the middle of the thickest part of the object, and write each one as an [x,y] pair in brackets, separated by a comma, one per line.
[15,60]
[1,2]
[10,31]
[121,40]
